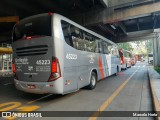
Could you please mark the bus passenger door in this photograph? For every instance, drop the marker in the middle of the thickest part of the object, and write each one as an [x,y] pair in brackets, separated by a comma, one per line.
[102,62]
[107,59]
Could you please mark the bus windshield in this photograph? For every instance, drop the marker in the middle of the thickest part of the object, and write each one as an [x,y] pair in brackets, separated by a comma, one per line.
[36,26]
[150,55]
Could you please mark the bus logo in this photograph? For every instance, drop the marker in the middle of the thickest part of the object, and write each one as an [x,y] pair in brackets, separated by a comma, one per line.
[92,56]
[30,68]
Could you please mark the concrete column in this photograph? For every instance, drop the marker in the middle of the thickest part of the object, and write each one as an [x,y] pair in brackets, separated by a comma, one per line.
[154,52]
[156,49]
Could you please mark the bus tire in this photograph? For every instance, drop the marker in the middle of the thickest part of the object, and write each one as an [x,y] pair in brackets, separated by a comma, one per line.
[93,81]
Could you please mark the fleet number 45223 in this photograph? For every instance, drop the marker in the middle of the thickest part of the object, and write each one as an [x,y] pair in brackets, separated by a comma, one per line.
[71,56]
[43,62]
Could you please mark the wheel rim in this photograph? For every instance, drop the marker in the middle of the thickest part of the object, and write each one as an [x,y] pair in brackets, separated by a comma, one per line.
[93,81]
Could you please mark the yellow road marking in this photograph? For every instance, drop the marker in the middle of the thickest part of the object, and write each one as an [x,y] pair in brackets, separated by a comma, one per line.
[12,106]
[28,108]
[25,109]
[39,99]
[109,100]
[4,107]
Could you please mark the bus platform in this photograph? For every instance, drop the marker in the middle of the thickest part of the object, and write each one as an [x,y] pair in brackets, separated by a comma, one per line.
[154,80]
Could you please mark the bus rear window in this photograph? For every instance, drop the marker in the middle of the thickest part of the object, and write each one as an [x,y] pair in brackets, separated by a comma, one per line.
[37,26]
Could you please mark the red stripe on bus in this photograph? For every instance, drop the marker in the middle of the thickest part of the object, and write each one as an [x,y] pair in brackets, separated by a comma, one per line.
[100,66]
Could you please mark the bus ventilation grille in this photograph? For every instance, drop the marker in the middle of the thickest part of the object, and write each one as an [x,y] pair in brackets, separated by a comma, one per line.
[32,50]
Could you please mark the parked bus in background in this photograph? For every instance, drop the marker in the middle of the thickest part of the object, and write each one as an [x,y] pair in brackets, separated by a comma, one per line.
[125,57]
[133,60]
[52,54]
[139,57]
[150,58]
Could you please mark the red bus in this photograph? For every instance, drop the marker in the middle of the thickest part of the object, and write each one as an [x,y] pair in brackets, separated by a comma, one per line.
[126,58]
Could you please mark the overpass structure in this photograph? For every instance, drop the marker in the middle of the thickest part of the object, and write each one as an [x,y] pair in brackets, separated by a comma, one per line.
[117,20]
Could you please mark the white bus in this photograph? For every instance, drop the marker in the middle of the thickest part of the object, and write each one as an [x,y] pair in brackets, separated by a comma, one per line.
[52,54]
[150,58]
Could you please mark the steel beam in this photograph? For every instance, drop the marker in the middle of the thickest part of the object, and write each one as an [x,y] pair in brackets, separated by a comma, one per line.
[109,16]
[104,3]
[136,36]
[118,4]
[9,19]
[123,28]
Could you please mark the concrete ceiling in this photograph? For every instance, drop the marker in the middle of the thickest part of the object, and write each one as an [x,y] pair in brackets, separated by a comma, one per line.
[113,19]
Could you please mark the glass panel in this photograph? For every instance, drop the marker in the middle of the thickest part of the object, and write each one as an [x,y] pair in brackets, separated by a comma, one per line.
[37,26]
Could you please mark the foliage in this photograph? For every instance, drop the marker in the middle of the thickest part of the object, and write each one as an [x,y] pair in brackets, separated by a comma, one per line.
[138,47]
[149,46]
[157,69]
[126,46]
[144,47]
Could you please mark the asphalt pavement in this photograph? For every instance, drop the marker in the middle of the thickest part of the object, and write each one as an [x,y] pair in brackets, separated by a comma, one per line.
[115,98]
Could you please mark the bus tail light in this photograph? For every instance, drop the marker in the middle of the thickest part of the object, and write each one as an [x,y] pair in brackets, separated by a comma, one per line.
[14,71]
[55,70]
[50,13]
[13,68]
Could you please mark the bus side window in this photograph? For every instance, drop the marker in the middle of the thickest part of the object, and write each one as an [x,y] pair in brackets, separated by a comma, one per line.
[110,49]
[100,50]
[96,44]
[89,42]
[105,48]
[93,44]
[77,38]
[86,41]
[67,33]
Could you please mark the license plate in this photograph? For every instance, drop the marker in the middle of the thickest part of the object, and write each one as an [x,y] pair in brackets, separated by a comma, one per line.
[30,86]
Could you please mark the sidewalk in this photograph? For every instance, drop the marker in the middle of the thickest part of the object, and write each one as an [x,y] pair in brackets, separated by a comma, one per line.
[154,80]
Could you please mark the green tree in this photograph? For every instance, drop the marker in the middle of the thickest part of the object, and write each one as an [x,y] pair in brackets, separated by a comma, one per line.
[126,46]
[149,46]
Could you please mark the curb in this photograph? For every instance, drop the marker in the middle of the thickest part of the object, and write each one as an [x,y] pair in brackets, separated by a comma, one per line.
[154,97]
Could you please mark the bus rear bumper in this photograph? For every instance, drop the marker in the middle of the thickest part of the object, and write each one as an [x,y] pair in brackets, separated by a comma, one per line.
[39,87]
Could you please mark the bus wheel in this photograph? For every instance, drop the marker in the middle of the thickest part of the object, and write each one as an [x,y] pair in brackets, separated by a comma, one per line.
[93,81]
